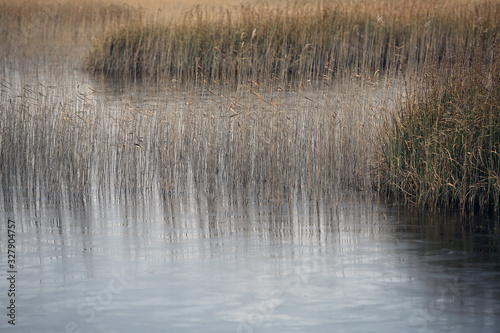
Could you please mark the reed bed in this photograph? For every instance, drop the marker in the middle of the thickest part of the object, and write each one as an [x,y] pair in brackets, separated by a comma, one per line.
[298,41]
[44,142]
[443,149]
[303,142]
[275,98]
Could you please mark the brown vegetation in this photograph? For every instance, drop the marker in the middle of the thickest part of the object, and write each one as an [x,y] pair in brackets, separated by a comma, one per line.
[286,98]
[443,149]
[299,41]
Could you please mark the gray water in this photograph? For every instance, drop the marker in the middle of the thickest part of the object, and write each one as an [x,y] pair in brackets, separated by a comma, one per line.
[192,264]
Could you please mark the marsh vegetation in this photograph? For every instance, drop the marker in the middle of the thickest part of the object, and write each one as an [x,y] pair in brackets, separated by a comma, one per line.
[299,41]
[309,98]
[442,149]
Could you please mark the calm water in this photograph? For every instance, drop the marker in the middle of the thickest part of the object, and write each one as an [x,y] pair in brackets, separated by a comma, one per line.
[190,264]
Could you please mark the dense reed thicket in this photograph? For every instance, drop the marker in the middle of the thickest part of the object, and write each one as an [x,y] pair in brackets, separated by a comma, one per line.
[443,149]
[258,43]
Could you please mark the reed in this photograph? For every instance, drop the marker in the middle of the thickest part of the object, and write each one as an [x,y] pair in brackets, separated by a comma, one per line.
[306,141]
[278,99]
[257,43]
[443,149]
[44,146]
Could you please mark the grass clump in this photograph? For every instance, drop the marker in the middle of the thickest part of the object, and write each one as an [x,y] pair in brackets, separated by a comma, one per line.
[255,43]
[443,150]
[304,142]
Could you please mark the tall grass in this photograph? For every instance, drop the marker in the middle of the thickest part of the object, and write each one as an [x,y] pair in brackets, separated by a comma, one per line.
[306,141]
[314,83]
[257,43]
[44,142]
[443,149]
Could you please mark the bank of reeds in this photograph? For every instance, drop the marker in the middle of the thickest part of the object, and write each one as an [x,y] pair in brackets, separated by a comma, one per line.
[306,141]
[314,134]
[443,148]
[257,43]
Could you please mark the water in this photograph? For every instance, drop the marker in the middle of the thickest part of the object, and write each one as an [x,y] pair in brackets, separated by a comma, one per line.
[192,264]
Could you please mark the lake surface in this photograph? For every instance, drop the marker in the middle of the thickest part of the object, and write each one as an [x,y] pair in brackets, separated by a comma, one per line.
[192,264]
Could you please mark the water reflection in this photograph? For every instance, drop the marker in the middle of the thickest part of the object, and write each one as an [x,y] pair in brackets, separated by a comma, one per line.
[198,264]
